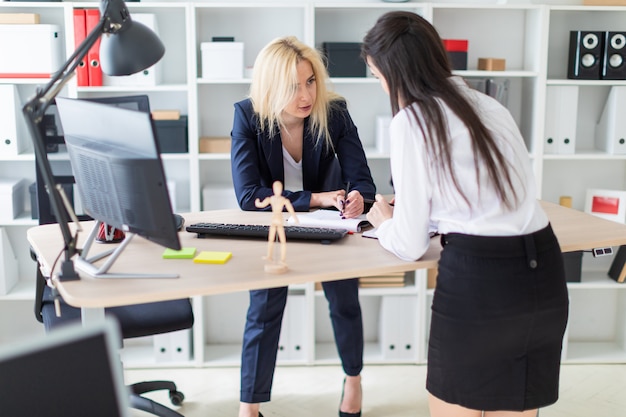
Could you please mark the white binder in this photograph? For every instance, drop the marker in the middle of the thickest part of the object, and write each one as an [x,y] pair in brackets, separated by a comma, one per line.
[171,189]
[561,118]
[382,134]
[611,129]
[14,136]
[398,324]
[8,264]
[292,341]
[173,346]
[150,76]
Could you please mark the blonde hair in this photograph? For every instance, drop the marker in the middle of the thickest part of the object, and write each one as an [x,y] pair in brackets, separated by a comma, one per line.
[274,85]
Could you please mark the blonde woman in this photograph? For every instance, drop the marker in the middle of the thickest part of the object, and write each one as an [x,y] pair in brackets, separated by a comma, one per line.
[293,130]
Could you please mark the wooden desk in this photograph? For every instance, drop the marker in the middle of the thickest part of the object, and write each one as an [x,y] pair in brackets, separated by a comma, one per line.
[353,256]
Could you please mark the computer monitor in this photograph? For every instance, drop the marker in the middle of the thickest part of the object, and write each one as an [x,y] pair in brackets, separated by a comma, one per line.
[140,102]
[53,131]
[72,371]
[118,171]
[53,134]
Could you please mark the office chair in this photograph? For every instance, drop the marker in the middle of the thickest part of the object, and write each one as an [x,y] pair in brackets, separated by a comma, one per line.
[135,321]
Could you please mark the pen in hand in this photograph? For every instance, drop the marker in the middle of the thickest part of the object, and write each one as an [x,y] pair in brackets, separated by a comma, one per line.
[345,201]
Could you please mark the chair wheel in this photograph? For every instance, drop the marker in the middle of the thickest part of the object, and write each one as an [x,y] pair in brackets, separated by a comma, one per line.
[176,397]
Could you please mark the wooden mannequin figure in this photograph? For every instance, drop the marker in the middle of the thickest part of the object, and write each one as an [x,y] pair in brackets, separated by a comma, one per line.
[277,227]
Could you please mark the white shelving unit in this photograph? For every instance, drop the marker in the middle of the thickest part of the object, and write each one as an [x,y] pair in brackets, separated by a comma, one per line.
[596,330]
[534,40]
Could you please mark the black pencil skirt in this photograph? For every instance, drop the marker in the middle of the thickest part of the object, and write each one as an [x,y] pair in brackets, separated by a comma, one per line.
[498,318]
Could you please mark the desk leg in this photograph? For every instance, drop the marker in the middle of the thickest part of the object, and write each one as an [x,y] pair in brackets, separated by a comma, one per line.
[92,315]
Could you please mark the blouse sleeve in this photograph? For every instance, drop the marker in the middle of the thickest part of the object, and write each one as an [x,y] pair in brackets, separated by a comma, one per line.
[406,233]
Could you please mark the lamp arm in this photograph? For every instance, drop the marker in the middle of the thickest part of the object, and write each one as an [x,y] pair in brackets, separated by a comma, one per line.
[33,111]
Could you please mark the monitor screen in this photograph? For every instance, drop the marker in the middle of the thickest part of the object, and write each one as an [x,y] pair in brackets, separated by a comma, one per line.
[72,371]
[139,102]
[53,132]
[118,169]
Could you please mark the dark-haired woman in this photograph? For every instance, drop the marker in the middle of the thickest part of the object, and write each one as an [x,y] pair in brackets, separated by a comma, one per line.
[459,164]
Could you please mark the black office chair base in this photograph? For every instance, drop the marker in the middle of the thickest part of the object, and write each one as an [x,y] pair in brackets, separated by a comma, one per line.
[145,404]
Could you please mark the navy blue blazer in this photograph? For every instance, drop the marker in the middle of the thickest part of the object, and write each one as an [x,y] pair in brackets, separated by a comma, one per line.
[257,160]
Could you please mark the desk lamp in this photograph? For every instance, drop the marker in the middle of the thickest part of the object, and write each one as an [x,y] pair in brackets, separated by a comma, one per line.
[127,47]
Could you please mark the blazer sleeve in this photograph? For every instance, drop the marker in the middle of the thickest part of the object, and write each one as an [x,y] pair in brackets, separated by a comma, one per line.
[256,162]
[350,153]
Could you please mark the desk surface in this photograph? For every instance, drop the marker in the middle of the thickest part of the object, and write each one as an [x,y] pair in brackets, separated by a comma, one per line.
[353,256]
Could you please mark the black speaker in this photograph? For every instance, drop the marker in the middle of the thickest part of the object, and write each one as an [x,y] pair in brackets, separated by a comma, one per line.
[585,55]
[614,56]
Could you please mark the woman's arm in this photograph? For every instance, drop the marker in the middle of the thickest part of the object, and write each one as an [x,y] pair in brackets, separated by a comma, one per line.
[406,233]
[351,158]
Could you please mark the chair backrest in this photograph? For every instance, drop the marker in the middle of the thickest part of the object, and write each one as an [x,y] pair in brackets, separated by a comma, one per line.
[75,371]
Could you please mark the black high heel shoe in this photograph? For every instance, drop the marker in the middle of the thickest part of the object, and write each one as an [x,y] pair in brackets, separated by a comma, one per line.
[342,413]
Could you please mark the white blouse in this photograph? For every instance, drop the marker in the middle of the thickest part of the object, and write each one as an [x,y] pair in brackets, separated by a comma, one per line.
[293,172]
[424,201]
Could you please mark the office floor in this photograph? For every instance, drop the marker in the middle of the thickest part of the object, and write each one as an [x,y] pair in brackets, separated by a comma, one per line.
[389,391]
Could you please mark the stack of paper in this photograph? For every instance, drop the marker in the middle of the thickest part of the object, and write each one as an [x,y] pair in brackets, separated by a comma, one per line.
[387,280]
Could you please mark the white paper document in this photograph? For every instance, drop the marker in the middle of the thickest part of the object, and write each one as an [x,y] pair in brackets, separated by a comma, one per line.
[331,219]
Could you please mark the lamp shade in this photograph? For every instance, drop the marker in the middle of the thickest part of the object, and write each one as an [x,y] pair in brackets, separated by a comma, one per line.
[133,48]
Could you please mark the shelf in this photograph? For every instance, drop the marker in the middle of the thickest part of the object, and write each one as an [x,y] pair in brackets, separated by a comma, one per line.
[131,89]
[214,157]
[223,354]
[326,354]
[22,291]
[496,74]
[24,219]
[407,290]
[587,154]
[142,357]
[585,83]
[24,157]
[595,352]
[223,81]
[596,280]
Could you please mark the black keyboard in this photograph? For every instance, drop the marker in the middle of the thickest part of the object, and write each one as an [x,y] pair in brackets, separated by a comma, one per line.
[322,234]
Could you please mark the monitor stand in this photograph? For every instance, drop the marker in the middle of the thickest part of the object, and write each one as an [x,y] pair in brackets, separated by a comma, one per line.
[87,264]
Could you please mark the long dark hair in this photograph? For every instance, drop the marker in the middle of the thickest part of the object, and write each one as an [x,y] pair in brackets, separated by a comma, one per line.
[409,54]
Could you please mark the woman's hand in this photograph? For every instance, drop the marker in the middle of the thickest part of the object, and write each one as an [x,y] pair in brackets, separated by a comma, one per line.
[381,210]
[352,205]
[349,207]
[326,199]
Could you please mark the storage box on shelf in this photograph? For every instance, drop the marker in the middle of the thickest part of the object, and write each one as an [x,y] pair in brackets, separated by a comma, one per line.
[8,264]
[30,51]
[12,198]
[13,131]
[222,60]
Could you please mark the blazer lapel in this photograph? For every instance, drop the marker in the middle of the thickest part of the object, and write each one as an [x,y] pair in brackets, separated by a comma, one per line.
[311,155]
[273,150]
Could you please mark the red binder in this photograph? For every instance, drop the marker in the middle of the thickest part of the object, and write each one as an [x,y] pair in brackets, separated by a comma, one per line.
[80,31]
[93,56]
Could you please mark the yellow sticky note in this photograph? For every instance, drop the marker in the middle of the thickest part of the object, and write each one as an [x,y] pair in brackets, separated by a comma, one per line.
[212,257]
[184,253]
